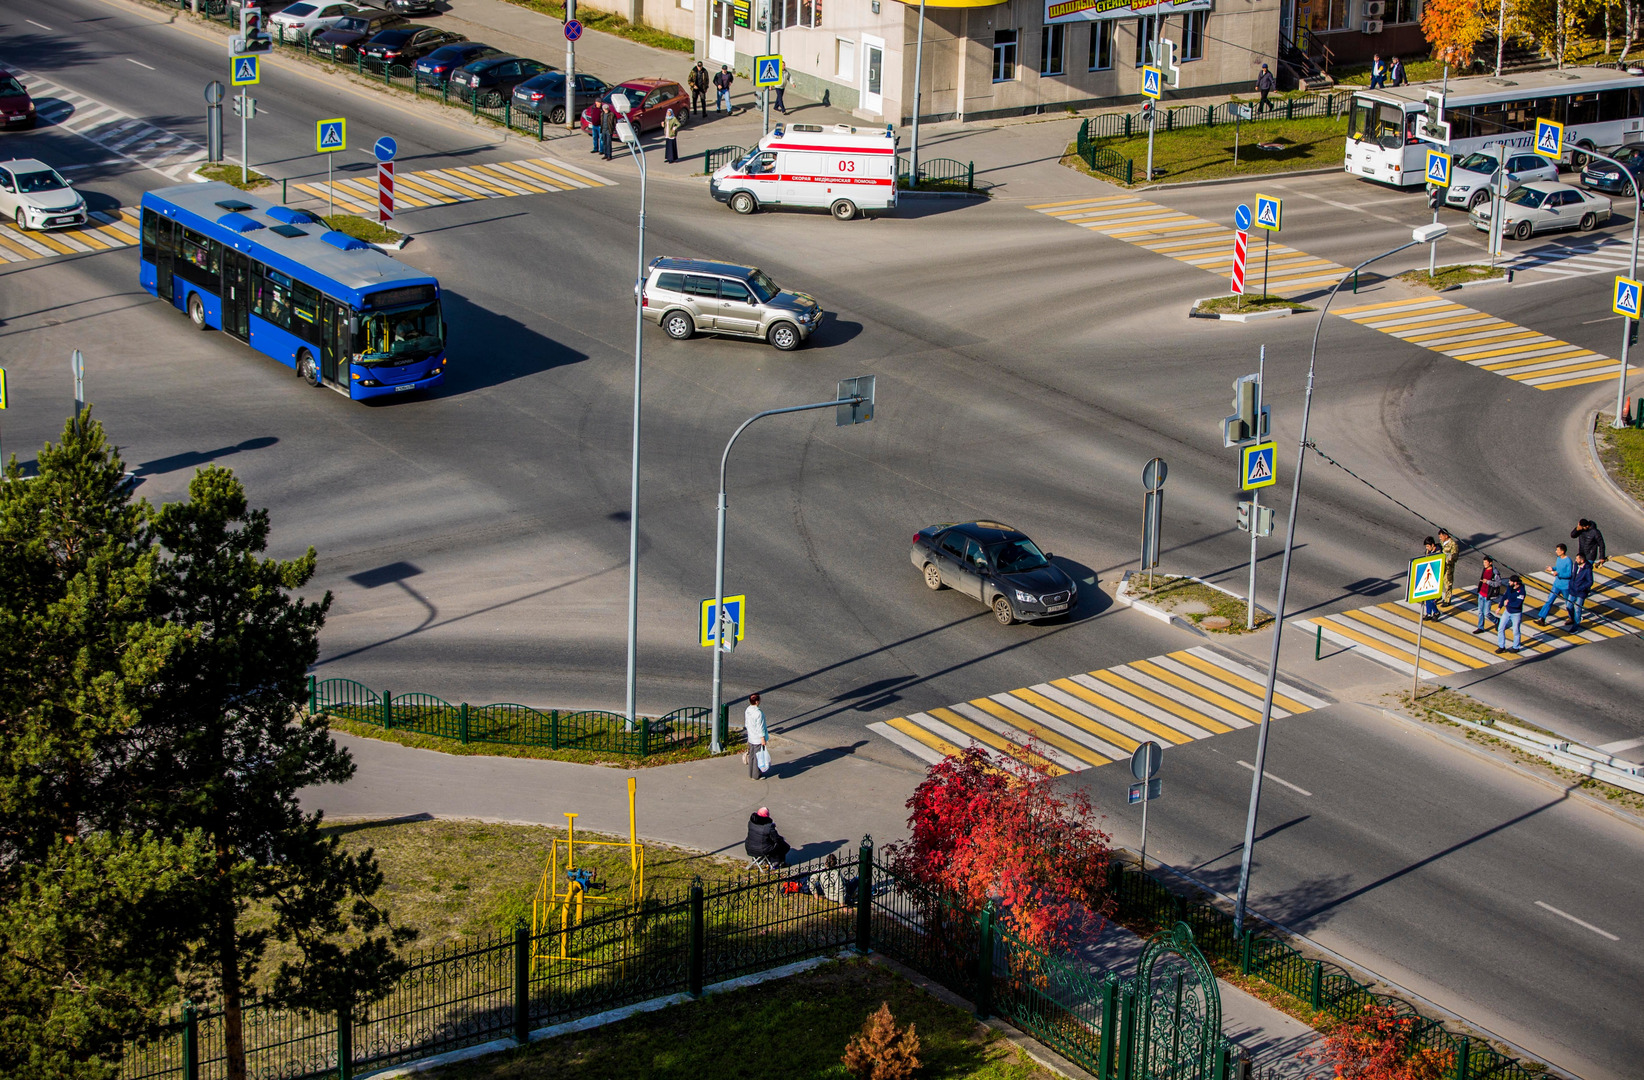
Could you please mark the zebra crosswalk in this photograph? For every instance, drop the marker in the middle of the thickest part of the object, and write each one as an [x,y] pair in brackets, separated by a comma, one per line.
[119,133]
[104,232]
[1486,342]
[1195,241]
[461,183]
[1386,633]
[1097,717]
[1575,257]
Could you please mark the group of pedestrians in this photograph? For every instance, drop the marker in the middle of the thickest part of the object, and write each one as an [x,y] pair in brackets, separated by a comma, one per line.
[1503,596]
[1386,73]
[697,81]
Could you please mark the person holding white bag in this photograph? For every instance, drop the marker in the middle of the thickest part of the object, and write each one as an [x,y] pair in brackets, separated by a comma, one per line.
[758,754]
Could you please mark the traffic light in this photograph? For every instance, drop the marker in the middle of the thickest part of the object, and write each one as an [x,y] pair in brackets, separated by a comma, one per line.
[727,631]
[1434,196]
[1244,516]
[1147,112]
[1247,400]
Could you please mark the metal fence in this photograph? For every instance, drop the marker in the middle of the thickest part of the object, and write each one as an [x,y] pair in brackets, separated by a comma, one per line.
[508,724]
[936,174]
[720,155]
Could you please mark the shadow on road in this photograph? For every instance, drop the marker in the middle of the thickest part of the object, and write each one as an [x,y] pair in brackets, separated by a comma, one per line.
[488,349]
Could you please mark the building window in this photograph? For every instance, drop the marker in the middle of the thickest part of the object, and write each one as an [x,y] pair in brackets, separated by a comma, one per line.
[1053,45]
[1193,35]
[1101,44]
[1147,30]
[844,60]
[1404,11]
[1004,55]
[1328,15]
[801,13]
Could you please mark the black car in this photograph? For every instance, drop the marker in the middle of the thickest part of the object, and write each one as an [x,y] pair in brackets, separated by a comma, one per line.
[413,7]
[341,40]
[438,65]
[404,45]
[997,565]
[491,80]
[1602,176]
[544,95]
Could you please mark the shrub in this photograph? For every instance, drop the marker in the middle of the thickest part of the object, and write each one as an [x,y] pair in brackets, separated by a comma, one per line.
[882,1051]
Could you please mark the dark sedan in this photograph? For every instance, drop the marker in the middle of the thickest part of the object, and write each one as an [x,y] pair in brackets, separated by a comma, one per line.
[414,7]
[491,80]
[404,45]
[993,563]
[16,107]
[1602,176]
[438,65]
[544,95]
[349,33]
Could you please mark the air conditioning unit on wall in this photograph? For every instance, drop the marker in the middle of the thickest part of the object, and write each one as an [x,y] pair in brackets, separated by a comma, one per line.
[1373,9]
[1372,26]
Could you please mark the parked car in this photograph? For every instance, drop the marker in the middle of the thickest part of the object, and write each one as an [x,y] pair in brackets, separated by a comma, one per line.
[414,7]
[306,19]
[684,296]
[491,80]
[648,103]
[1602,176]
[35,196]
[1472,179]
[438,65]
[267,7]
[544,95]
[404,45]
[351,31]
[16,107]
[1544,207]
[993,563]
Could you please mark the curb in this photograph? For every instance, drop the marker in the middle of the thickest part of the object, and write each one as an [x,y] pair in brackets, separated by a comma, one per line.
[1237,179]
[1507,280]
[1238,317]
[1598,464]
[1153,611]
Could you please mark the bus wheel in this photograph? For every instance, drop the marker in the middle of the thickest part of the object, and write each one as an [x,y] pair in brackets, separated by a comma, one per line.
[844,209]
[743,203]
[196,311]
[307,370]
[1578,160]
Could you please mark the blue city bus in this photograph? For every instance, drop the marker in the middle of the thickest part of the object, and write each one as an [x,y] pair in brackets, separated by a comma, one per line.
[336,310]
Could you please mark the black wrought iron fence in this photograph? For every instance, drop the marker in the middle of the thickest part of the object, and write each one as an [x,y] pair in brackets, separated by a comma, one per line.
[936,174]
[721,155]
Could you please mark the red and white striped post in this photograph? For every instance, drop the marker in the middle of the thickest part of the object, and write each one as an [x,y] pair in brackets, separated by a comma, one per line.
[385,192]
[1241,243]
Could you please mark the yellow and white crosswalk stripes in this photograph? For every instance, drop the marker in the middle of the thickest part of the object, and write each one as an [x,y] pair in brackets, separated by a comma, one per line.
[1387,632]
[117,229]
[460,183]
[1098,717]
[1486,342]
[1195,241]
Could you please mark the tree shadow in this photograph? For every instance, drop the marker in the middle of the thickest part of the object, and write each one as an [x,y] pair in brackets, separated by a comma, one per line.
[374,823]
[193,459]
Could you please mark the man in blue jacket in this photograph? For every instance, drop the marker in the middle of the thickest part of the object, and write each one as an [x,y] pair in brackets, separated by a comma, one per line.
[1581,583]
[1562,570]
[1512,613]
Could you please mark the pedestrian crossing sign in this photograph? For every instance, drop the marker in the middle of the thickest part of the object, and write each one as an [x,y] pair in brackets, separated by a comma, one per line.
[1268,212]
[1626,297]
[767,71]
[331,135]
[245,71]
[709,628]
[1151,78]
[1256,465]
[1438,168]
[1550,139]
[1426,578]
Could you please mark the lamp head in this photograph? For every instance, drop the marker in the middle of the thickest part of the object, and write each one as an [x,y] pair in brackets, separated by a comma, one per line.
[620,102]
[625,132]
[1426,234]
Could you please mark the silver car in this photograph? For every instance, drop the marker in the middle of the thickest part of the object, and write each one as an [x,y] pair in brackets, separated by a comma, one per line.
[1544,207]
[685,296]
[1472,178]
[35,196]
[309,17]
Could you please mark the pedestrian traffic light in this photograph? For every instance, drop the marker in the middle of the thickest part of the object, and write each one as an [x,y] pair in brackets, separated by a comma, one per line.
[1244,516]
[1434,196]
[238,99]
[1632,331]
[1147,112]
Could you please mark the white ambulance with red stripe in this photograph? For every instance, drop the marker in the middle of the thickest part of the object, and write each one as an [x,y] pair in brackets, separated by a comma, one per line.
[842,168]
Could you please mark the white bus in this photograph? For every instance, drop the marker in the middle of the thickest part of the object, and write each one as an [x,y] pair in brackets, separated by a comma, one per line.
[1598,108]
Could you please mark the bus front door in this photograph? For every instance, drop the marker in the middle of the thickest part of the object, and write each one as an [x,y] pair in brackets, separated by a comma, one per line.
[334,338]
[236,295]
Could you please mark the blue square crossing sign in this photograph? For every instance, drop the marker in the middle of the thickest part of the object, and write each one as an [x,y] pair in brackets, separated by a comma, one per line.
[1438,168]
[1626,297]
[331,135]
[1550,139]
[1151,78]
[1426,578]
[1268,212]
[1256,465]
[709,626]
[767,71]
[245,71]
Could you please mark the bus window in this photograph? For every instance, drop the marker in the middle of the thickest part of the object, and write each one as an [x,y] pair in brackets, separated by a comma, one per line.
[1612,105]
[1581,109]
[1385,125]
[409,333]
[272,299]
[305,313]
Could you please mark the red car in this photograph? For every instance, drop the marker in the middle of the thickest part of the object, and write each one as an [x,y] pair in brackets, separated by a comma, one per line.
[16,107]
[649,101]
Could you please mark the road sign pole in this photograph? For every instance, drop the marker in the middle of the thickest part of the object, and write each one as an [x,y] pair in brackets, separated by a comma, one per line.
[918,96]
[330,186]
[1152,119]
[1267,255]
[765,94]
[1415,682]
[77,363]
[1146,784]
[1255,500]
[570,67]
[245,152]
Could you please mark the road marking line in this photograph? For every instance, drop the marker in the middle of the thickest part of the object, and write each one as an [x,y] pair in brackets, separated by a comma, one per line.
[1583,923]
[1283,783]
[42,26]
[1619,746]
[915,740]
[139,63]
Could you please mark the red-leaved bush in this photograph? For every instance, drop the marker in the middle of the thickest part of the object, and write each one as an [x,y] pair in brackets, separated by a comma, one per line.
[985,826]
[1377,1046]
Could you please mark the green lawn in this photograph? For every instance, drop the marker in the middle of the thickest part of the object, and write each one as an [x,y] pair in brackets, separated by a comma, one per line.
[231,173]
[363,229]
[1234,305]
[1622,451]
[1453,275]
[788,1029]
[615,24]
[1206,153]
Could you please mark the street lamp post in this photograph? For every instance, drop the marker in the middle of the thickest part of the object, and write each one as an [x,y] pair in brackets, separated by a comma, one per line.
[918,94]
[1423,234]
[630,139]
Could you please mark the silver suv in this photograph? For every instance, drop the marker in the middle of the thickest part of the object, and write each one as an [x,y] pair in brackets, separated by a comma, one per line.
[684,296]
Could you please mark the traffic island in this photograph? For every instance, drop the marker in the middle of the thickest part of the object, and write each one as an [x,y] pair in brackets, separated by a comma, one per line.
[1189,602]
[1243,309]
[377,235]
[1618,453]
[244,179]
[1460,276]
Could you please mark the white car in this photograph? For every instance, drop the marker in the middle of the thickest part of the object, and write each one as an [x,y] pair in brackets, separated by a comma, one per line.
[1543,207]
[306,19]
[1471,178]
[35,196]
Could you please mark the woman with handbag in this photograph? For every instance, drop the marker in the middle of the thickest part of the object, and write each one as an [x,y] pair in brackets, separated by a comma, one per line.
[758,753]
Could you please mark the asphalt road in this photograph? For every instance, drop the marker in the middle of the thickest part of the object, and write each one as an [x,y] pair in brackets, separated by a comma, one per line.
[476,540]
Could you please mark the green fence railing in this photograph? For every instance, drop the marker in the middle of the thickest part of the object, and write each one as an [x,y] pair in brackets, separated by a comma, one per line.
[720,155]
[509,724]
[936,174]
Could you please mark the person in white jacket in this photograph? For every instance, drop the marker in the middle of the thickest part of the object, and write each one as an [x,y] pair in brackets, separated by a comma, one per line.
[753,720]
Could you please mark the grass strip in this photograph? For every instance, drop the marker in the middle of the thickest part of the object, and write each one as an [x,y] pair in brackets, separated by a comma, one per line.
[363,229]
[1449,276]
[1621,450]
[231,174]
[1239,305]
[1172,593]
[1206,153]
[580,756]
[611,23]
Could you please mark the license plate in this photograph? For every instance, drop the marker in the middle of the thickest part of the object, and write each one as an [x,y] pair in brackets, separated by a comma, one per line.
[403,389]
[1056,608]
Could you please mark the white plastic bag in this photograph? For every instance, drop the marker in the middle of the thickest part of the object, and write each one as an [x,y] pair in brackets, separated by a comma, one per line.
[764,759]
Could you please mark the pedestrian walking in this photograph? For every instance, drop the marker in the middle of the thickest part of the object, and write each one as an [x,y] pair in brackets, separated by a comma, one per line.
[1511,613]
[1265,83]
[1395,73]
[1447,580]
[1589,542]
[782,89]
[1581,585]
[722,88]
[1378,73]
[753,723]
[698,82]
[764,844]
[1429,609]
[670,137]
[607,129]
[1562,570]
[1486,588]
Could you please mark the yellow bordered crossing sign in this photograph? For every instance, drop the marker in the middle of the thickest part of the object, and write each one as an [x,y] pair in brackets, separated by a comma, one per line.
[1426,578]
[709,629]
[1256,465]
[245,70]
[1152,77]
[1625,301]
[1438,168]
[1550,139]
[1269,212]
[331,135]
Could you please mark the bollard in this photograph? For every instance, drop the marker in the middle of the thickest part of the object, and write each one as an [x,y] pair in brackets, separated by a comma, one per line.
[387,710]
[462,724]
[522,985]
[313,698]
[1318,641]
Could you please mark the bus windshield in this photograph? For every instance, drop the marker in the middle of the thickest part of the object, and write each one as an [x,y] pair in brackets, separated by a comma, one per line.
[402,335]
[1377,122]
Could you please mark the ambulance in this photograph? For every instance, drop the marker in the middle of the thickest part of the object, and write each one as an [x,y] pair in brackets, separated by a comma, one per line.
[842,168]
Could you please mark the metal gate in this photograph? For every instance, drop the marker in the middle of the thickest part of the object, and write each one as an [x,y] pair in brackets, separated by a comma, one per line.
[1176,1011]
